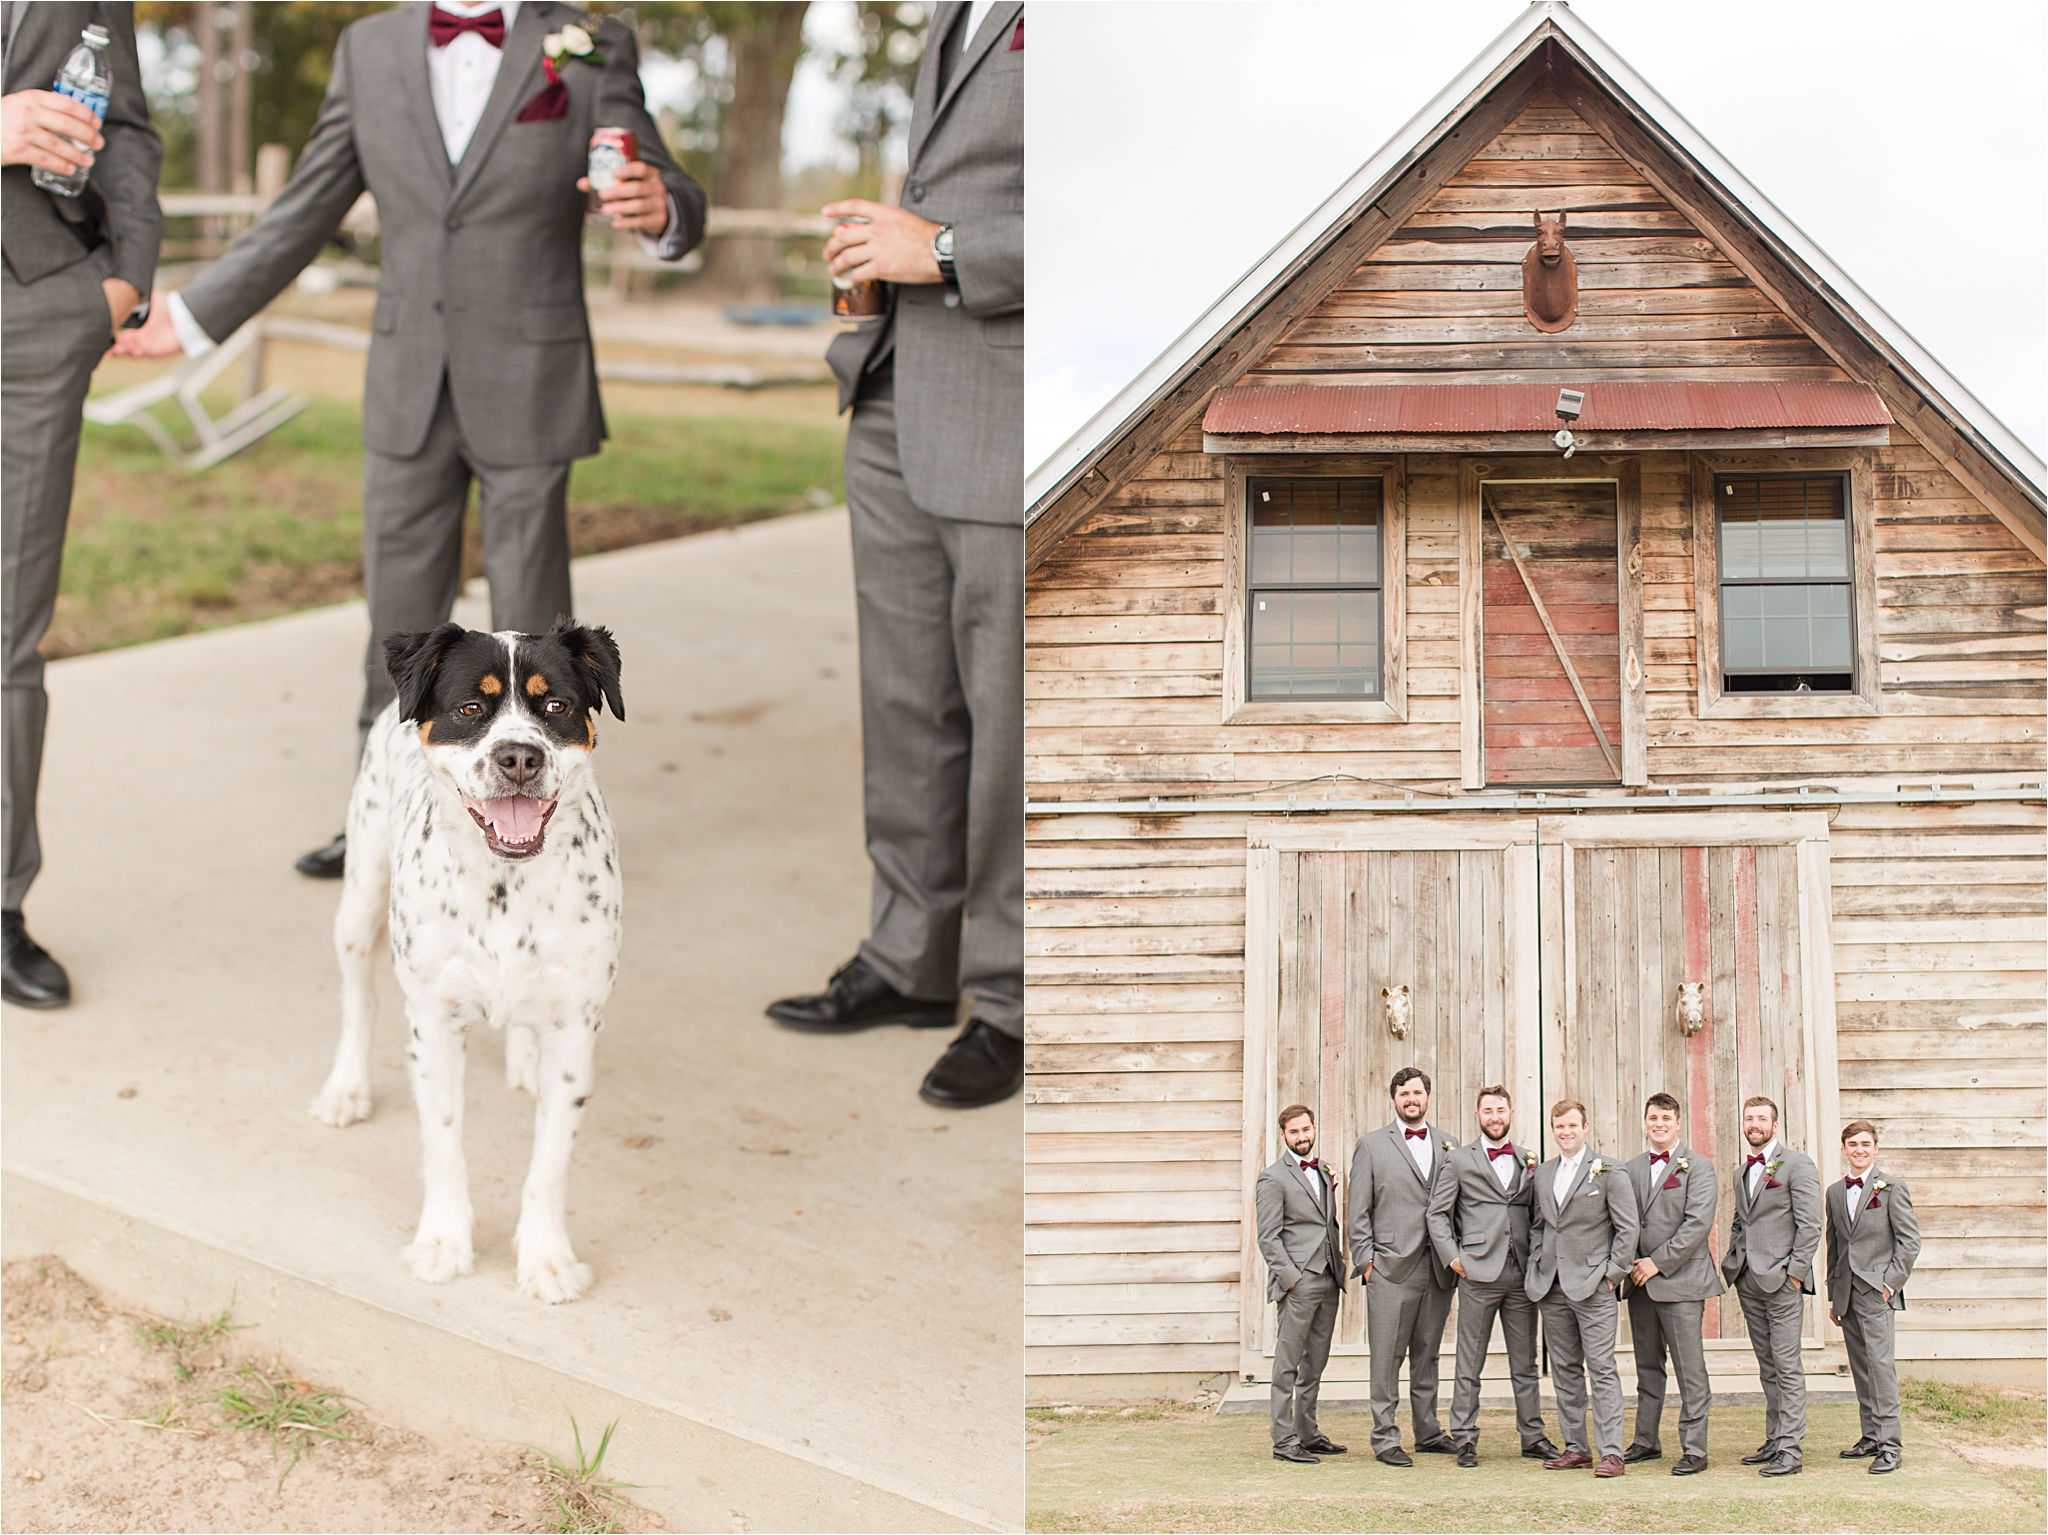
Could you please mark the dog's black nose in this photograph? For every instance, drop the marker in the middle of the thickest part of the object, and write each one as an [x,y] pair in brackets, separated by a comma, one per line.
[517,760]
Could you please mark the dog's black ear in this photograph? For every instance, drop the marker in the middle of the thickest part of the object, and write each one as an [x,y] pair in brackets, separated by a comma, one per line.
[412,660]
[596,654]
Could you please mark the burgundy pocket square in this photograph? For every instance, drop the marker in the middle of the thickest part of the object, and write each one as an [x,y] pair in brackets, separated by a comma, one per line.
[549,102]
[1017,37]
[1671,1182]
[1873,1203]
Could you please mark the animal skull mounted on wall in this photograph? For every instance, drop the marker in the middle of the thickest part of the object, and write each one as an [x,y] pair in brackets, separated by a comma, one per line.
[1400,1009]
[1692,1007]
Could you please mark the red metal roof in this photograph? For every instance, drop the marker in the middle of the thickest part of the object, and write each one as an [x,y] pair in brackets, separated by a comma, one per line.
[1682,405]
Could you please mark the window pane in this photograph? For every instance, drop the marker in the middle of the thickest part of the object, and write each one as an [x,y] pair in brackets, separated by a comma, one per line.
[1784,530]
[1799,628]
[1316,644]
[1322,532]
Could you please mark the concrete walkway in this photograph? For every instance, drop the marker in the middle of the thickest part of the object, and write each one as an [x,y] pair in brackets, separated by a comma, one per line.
[807,1306]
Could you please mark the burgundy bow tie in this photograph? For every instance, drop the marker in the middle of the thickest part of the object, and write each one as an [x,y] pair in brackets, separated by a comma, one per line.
[1417,1135]
[1500,1151]
[1310,1164]
[443,27]
[1854,1183]
[1756,1160]
[1660,1156]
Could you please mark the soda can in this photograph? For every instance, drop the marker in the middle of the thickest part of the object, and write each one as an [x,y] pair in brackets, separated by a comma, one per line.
[610,149]
[853,300]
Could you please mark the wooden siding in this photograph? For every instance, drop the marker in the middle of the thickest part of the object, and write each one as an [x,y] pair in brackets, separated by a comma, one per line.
[1136,925]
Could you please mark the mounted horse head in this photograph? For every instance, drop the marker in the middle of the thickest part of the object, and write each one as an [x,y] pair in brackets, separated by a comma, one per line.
[1550,277]
[1692,1007]
[1400,1006]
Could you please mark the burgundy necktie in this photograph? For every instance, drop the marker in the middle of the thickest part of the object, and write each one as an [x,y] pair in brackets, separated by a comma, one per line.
[1500,1151]
[1417,1135]
[443,27]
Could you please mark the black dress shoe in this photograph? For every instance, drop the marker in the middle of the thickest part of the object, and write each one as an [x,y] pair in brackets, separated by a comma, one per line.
[1887,1460]
[1323,1444]
[325,862]
[1396,1457]
[1786,1464]
[1636,1452]
[1441,1445]
[1689,1465]
[1468,1457]
[1763,1453]
[1542,1449]
[1295,1453]
[857,998]
[29,976]
[1862,1449]
[984,1065]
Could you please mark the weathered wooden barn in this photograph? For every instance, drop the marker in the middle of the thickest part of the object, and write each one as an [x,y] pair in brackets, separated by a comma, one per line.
[1344,677]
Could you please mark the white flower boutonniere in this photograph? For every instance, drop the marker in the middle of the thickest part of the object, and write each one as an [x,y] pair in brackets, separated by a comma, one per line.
[571,42]
[1684,1163]
[1596,1169]
[1447,1144]
[1528,1159]
[1880,1184]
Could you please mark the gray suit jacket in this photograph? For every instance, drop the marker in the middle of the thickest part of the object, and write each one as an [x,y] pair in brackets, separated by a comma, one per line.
[1774,1236]
[480,264]
[1473,1219]
[1589,1237]
[1389,1206]
[1293,1229]
[41,233]
[959,354]
[1880,1248]
[1676,1223]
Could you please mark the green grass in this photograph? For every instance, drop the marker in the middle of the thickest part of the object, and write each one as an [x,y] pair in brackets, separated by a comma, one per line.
[1175,1469]
[291,1411]
[183,1340]
[584,1502]
[154,551]
[1983,1410]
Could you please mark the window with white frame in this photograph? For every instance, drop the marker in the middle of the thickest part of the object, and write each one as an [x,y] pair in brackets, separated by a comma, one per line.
[1315,588]
[1787,592]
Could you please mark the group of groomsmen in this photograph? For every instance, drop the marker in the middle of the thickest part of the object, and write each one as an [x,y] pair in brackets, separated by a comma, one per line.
[1568,1240]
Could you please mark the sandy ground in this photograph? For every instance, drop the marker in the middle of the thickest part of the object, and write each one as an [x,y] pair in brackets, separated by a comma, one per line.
[79,1370]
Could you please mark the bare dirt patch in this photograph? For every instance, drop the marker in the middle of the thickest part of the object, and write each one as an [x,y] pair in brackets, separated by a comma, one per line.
[116,1420]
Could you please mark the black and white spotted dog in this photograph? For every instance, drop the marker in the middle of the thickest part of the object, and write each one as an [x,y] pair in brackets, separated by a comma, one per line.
[477,833]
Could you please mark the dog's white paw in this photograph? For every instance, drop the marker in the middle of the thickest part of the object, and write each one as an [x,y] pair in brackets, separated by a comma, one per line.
[341,1103]
[522,1060]
[554,1278]
[438,1259]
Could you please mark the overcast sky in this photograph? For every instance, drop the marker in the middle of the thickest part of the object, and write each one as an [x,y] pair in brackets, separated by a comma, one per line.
[1171,145]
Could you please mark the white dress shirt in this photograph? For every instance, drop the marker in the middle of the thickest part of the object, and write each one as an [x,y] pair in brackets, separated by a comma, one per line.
[460,76]
[1855,1199]
[977,13]
[1422,1152]
[1503,1167]
[1313,1177]
[1567,1169]
[1756,1171]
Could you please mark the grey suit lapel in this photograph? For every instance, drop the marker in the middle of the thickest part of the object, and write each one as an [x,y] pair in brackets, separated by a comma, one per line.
[16,9]
[1000,22]
[517,73]
[419,93]
[1396,1130]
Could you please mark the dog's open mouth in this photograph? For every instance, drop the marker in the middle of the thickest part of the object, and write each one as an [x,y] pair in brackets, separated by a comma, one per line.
[513,827]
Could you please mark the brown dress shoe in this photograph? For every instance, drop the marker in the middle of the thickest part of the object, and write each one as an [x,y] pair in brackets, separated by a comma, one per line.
[1610,1465]
[1571,1460]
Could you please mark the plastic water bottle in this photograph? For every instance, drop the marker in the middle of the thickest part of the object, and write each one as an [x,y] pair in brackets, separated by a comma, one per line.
[86,79]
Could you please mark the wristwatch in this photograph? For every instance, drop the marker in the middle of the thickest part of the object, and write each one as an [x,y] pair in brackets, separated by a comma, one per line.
[942,252]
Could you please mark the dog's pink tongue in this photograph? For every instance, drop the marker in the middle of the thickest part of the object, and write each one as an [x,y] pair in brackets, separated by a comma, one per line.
[515,818]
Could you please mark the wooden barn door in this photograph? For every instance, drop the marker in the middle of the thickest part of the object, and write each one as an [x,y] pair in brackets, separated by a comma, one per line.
[1736,902]
[1336,916]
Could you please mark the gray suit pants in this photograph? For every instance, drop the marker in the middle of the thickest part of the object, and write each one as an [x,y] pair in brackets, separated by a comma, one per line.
[1773,1321]
[1868,1330]
[412,544]
[941,605]
[1404,1319]
[1301,1347]
[1478,1305]
[1581,1337]
[55,332]
[1673,1327]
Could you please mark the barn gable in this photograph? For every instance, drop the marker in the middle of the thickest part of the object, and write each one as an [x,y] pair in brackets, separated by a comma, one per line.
[1220,884]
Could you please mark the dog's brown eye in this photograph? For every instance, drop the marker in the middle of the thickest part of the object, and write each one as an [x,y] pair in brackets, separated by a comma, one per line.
[473,708]
[557,706]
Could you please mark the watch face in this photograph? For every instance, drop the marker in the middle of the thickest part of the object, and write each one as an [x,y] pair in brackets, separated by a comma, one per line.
[942,242]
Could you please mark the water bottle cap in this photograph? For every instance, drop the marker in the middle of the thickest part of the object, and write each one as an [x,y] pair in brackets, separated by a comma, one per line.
[97,35]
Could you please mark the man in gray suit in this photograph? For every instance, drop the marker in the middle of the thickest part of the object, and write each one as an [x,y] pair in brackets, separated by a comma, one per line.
[1668,1285]
[1771,1242]
[1394,1175]
[1582,1241]
[76,269]
[1873,1239]
[935,486]
[1303,1246]
[1479,1226]
[480,361]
